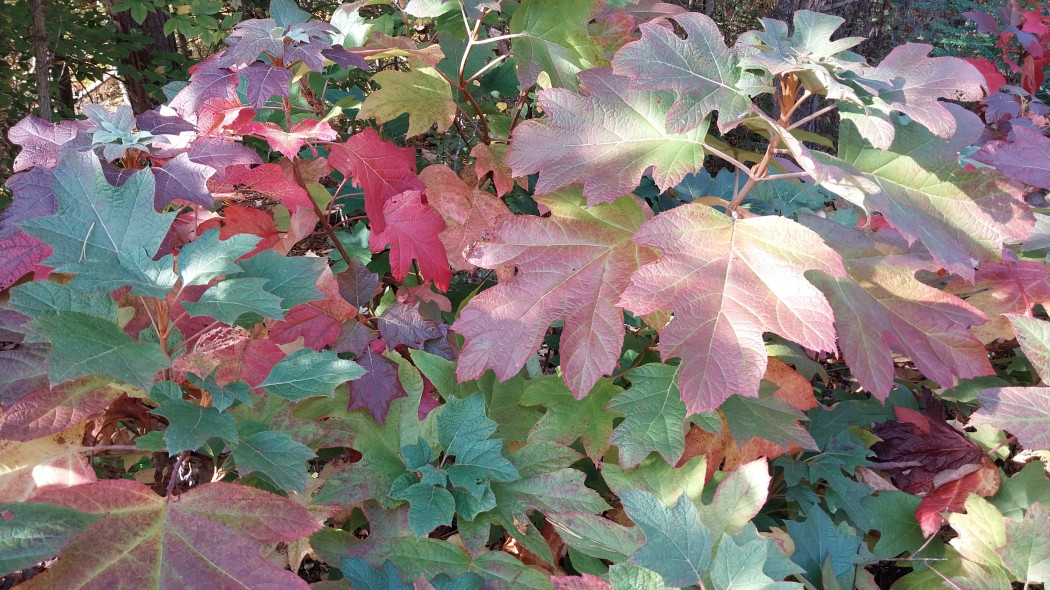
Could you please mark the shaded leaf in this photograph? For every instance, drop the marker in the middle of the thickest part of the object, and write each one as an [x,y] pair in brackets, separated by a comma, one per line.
[817,540]
[275,454]
[568,419]
[1026,157]
[33,532]
[553,39]
[49,410]
[307,373]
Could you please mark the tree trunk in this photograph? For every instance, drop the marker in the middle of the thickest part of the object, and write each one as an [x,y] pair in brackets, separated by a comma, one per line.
[43,58]
[142,59]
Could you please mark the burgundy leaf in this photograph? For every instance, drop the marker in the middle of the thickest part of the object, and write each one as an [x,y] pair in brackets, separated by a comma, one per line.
[33,197]
[264,81]
[317,322]
[401,324]
[20,255]
[377,388]
[357,284]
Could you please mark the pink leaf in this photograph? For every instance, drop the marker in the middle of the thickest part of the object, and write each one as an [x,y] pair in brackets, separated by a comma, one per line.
[20,255]
[572,266]
[1026,157]
[40,141]
[268,179]
[290,142]
[728,281]
[468,214]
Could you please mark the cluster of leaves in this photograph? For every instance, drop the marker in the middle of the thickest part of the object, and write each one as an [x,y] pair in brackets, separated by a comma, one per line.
[267,310]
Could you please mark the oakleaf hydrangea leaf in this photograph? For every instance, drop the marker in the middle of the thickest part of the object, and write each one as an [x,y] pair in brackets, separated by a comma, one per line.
[307,373]
[817,539]
[228,299]
[728,281]
[82,345]
[191,425]
[553,39]
[276,455]
[570,267]
[291,278]
[568,419]
[210,537]
[604,138]
[655,416]
[33,532]
[677,545]
[208,257]
[702,71]
[421,92]
[1023,411]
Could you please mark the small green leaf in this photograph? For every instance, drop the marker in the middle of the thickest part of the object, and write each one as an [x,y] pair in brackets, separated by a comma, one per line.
[227,300]
[739,567]
[190,426]
[818,539]
[768,417]
[628,576]
[567,418]
[655,416]
[431,507]
[277,456]
[223,396]
[677,545]
[32,532]
[307,373]
[207,257]
[364,577]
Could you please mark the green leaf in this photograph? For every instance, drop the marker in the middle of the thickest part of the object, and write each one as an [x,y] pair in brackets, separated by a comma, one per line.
[818,539]
[768,417]
[222,396]
[287,13]
[98,223]
[596,535]
[277,456]
[33,532]
[739,567]
[893,513]
[307,373]
[664,481]
[568,419]
[982,533]
[463,424]
[37,298]
[1021,490]
[655,416]
[1034,337]
[553,39]
[190,426]
[291,278]
[628,576]
[421,92]
[208,257]
[364,577]
[227,300]
[1027,550]
[430,507]
[86,345]
[442,373]
[677,545]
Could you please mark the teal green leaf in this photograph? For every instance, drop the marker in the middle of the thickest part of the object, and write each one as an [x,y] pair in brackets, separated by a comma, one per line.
[208,257]
[97,221]
[481,462]
[82,345]
[37,298]
[543,457]
[468,506]
[658,478]
[655,416]
[777,565]
[893,513]
[596,535]
[307,373]
[557,491]
[292,279]
[275,455]
[553,39]
[463,423]
[190,426]
[32,532]
[677,545]
[1021,490]
[228,299]
[817,539]
[430,507]
[134,268]
[222,396]
[568,419]
[767,417]
[739,567]
[442,373]
[628,576]
[364,577]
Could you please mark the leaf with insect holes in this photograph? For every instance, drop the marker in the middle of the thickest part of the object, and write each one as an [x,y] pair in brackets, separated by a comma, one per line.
[553,38]
[412,229]
[175,541]
[571,267]
[728,281]
[307,373]
[605,138]
[962,217]
[378,167]
[469,213]
[421,92]
[102,228]
[700,69]
[880,307]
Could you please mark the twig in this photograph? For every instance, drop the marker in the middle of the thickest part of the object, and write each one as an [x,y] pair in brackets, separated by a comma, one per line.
[175,472]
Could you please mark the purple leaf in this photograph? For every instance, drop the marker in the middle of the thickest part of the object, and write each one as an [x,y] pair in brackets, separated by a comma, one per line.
[220,154]
[308,53]
[20,255]
[158,124]
[402,324]
[377,388]
[207,81]
[345,59]
[23,369]
[181,178]
[986,23]
[33,197]
[40,141]
[1025,158]
[265,81]
[249,39]
[357,284]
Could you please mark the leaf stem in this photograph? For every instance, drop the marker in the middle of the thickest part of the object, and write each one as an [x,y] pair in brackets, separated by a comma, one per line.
[809,118]
[175,471]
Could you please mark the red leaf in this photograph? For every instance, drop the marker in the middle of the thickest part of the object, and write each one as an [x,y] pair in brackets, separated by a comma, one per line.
[208,537]
[468,214]
[412,231]
[991,74]
[378,387]
[951,497]
[243,181]
[20,255]
[317,322]
[1004,288]
[232,354]
[486,161]
[378,167]
[290,142]
[218,115]
[246,220]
